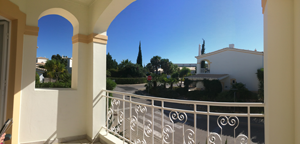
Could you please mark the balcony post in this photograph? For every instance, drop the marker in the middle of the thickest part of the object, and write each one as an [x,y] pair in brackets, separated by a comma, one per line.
[279,48]
[96,106]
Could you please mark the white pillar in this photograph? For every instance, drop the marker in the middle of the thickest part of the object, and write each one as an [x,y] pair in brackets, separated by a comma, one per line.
[280,124]
[96,106]
[198,68]
[199,53]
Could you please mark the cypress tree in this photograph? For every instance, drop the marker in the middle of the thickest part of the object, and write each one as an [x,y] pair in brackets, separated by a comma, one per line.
[202,52]
[139,58]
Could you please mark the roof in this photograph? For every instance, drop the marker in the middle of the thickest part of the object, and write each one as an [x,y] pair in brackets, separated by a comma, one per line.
[41,58]
[207,76]
[42,69]
[40,63]
[230,49]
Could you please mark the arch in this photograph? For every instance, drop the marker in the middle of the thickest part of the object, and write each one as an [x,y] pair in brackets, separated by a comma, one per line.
[101,21]
[64,13]
[206,69]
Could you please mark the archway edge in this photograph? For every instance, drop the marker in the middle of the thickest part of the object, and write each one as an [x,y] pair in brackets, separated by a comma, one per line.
[102,21]
[64,13]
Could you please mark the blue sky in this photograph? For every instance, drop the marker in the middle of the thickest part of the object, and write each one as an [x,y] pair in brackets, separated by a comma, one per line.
[172,29]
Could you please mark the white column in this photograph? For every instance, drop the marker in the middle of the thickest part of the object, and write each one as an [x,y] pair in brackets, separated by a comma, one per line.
[96,79]
[279,82]
[198,68]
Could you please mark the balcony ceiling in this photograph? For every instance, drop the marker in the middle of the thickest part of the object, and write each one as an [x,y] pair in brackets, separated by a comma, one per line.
[85,2]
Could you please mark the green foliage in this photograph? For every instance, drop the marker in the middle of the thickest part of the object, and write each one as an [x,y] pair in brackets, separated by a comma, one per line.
[139,59]
[183,73]
[203,52]
[149,68]
[65,77]
[226,141]
[167,66]
[114,73]
[260,76]
[37,78]
[155,61]
[55,69]
[132,70]
[53,85]
[130,80]
[110,84]
[124,63]
[111,63]
[60,59]
[203,47]
[108,74]
[242,93]
[212,87]
[155,79]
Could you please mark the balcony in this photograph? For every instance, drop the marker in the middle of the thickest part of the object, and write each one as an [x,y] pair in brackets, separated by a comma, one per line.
[143,119]
[204,70]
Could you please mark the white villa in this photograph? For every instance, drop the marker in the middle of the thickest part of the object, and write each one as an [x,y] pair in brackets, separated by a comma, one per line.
[83,111]
[230,65]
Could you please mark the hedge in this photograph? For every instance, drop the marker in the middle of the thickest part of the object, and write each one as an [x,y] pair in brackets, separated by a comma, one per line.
[130,80]
[53,85]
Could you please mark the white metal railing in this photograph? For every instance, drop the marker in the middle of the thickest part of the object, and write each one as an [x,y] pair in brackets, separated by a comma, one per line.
[204,70]
[133,126]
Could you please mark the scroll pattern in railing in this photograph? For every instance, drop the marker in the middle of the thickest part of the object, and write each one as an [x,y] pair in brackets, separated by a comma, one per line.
[116,120]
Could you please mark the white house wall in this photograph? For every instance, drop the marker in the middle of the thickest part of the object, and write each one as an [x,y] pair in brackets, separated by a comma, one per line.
[239,66]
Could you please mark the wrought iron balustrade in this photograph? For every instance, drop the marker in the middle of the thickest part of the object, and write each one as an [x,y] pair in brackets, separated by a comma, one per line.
[134,122]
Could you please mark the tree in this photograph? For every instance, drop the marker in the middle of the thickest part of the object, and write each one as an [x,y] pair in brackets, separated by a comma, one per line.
[203,52]
[139,59]
[183,73]
[155,61]
[124,63]
[55,69]
[150,68]
[111,63]
[60,59]
[167,66]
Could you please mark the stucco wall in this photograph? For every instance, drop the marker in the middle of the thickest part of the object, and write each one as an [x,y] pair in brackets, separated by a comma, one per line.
[50,113]
[239,66]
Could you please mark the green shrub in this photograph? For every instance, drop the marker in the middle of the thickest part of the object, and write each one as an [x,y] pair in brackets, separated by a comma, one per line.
[53,85]
[130,80]
[37,78]
[196,95]
[260,76]
[114,73]
[181,91]
[110,84]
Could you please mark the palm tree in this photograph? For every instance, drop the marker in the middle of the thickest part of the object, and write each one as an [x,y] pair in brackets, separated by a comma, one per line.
[155,61]
[54,69]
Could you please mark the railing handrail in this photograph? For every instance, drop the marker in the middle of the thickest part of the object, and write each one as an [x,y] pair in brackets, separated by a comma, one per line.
[210,103]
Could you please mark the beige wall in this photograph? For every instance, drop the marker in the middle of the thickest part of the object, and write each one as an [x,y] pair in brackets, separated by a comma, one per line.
[281,123]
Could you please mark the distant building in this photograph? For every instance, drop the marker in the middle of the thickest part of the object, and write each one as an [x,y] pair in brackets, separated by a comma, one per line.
[69,63]
[41,60]
[191,66]
[230,65]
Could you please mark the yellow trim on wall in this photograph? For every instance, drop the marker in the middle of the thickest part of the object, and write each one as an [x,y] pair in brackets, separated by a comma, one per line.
[31,30]
[96,38]
[17,19]
[263,5]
